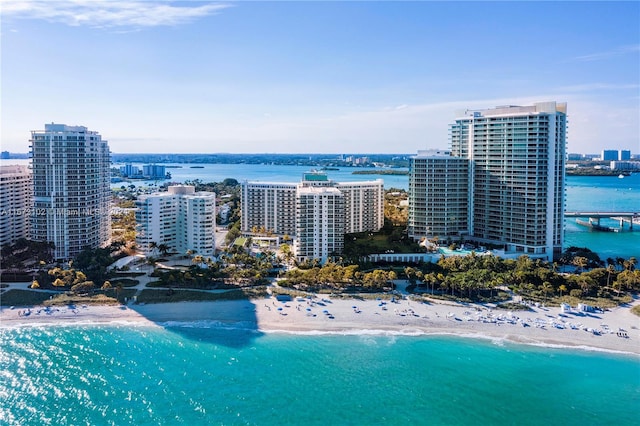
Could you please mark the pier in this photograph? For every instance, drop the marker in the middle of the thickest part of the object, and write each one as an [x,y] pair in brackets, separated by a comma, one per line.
[632,218]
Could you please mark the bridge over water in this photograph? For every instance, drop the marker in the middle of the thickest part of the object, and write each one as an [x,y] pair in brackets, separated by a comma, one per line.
[594,219]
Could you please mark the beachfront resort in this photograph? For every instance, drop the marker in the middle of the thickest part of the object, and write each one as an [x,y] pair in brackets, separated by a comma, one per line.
[479,233]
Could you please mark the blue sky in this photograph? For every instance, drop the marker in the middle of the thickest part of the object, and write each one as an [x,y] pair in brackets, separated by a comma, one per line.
[316,77]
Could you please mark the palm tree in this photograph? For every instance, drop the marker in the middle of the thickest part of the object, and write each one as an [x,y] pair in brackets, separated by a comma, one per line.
[163,248]
[581,262]
[610,269]
[562,289]
[287,254]
[35,284]
[546,287]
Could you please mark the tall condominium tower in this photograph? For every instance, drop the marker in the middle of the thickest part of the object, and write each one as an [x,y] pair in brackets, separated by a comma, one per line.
[439,191]
[363,205]
[180,218]
[15,203]
[71,192]
[319,222]
[516,177]
[517,158]
[271,206]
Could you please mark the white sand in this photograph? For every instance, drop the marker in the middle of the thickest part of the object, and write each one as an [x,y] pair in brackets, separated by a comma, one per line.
[404,317]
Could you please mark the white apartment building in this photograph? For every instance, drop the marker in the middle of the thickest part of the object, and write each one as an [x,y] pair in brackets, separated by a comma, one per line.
[516,157]
[439,196]
[320,224]
[180,218]
[271,206]
[363,205]
[71,192]
[274,208]
[16,187]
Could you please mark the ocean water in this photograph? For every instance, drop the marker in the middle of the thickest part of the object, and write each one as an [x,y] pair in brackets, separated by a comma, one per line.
[197,374]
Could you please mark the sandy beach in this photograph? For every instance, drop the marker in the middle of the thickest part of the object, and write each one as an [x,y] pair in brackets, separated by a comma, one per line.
[614,330]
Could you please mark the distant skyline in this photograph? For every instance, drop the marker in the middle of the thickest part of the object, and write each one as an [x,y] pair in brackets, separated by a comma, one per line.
[313,77]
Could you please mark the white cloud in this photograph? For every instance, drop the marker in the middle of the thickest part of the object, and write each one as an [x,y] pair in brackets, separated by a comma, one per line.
[622,50]
[110,14]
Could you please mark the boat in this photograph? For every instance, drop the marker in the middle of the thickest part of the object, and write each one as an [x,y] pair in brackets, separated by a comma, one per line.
[621,176]
[197,167]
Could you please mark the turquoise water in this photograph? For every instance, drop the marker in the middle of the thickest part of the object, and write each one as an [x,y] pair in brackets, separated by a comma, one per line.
[445,250]
[128,375]
[605,193]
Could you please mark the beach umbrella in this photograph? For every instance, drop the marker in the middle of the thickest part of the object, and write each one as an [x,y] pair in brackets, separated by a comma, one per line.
[279,309]
[308,309]
[354,307]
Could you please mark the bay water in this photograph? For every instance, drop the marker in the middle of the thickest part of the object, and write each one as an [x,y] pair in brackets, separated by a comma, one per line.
[195,374]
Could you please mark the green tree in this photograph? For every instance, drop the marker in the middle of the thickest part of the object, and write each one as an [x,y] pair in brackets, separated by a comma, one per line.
[581,262]
[546,288]
[562,289]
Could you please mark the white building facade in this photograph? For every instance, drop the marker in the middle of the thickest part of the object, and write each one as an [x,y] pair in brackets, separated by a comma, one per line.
[276,208]
[16,188]
[516,177]
[180,218]
[71,191]
[439,196]
[363,205]
[270,206]
[320,224]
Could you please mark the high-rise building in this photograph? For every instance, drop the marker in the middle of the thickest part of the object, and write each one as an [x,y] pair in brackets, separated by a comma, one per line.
[609,155]
[363,205]
[516,179]
[275,208]
[270,206]
[16,188]
[129,170]
[153,171]
[180,218]
[439,191]
[624,155]
[71,192]
[320,224]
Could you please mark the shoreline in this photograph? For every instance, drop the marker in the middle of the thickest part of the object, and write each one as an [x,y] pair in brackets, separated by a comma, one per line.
[541,327]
